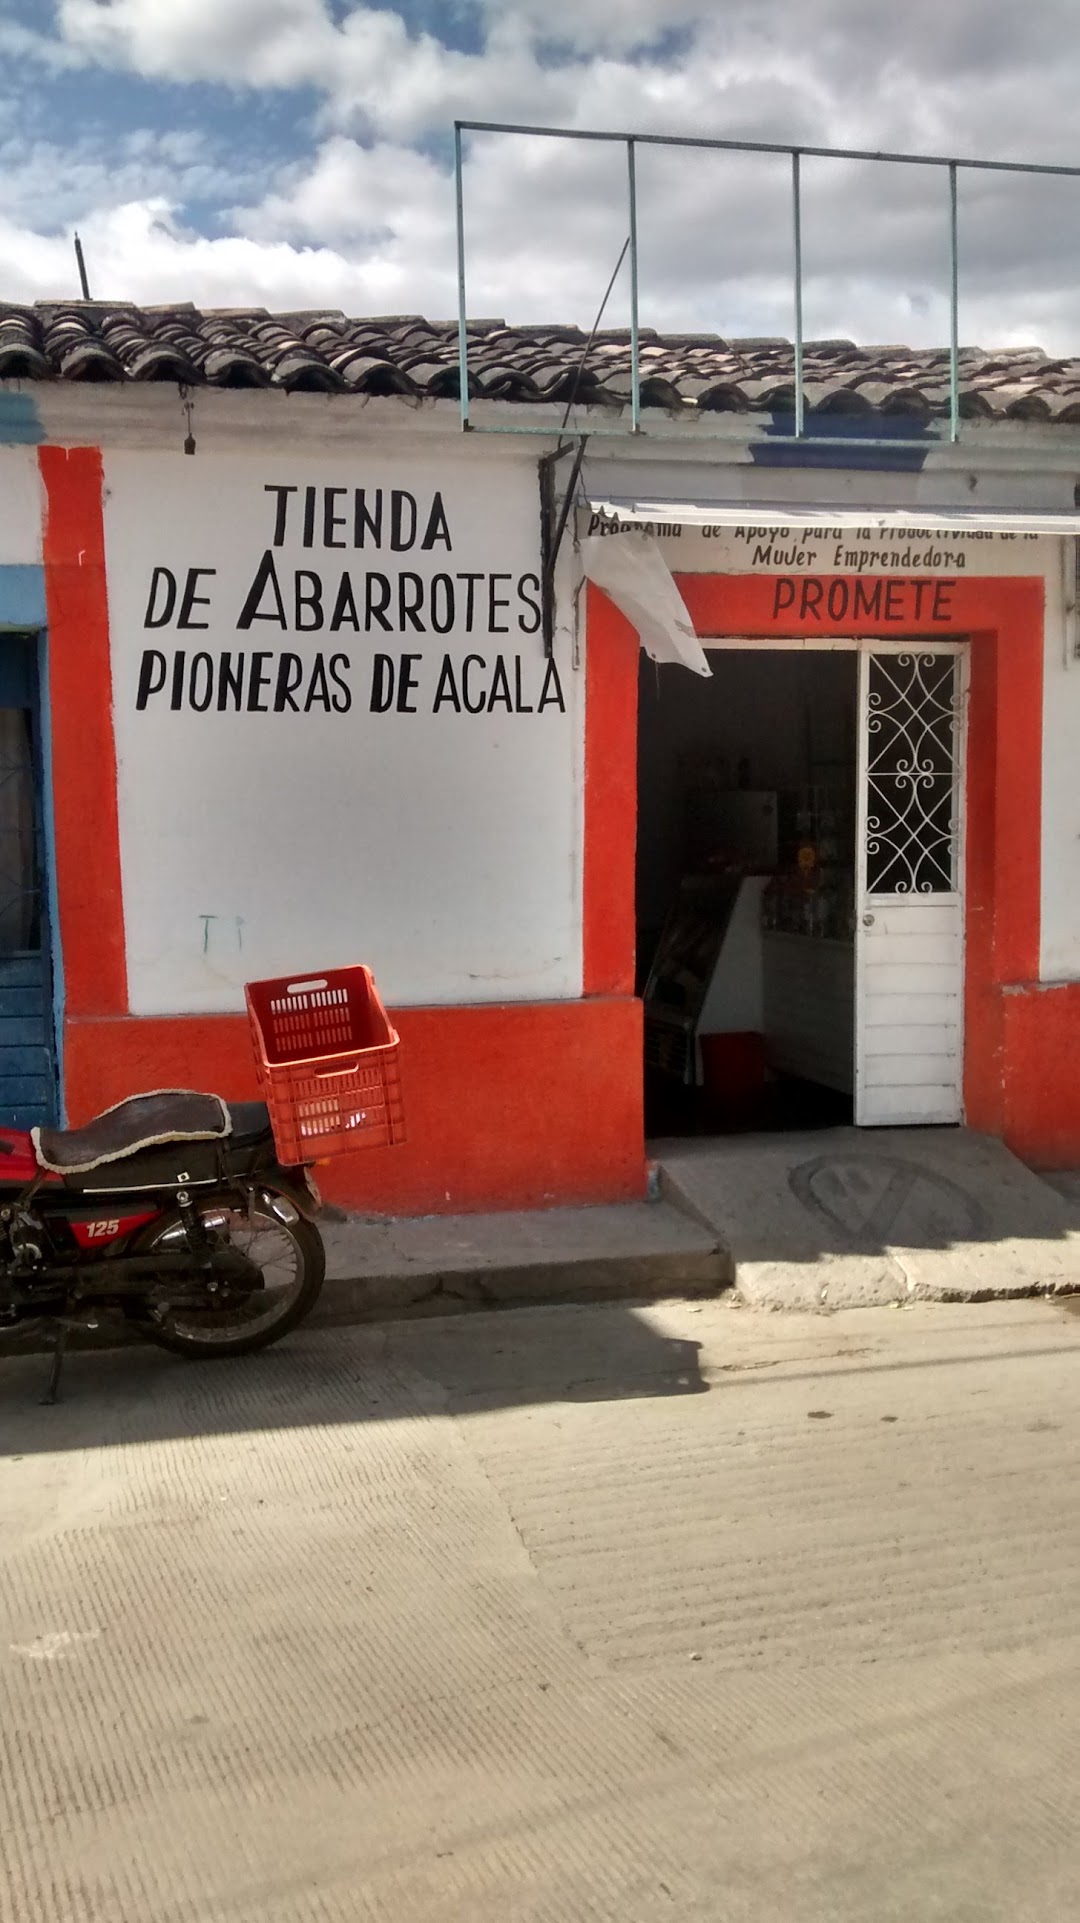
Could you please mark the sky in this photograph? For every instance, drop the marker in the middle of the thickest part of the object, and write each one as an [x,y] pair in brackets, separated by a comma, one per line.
[297,154]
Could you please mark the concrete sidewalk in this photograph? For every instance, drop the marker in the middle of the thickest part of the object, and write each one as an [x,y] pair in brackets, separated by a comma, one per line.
[379,1268]
[832,1219]
[838,1218]
[427,1265]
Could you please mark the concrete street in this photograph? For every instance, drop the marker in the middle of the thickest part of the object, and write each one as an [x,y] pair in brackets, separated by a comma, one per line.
[681,1612]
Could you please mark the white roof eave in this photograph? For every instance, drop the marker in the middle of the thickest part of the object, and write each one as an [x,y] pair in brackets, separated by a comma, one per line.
[625,512]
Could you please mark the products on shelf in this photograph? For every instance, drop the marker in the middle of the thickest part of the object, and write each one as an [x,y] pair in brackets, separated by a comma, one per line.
[814,901]
[814,892]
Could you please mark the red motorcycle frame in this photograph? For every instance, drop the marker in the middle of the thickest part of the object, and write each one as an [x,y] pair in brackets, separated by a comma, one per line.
[171,1210]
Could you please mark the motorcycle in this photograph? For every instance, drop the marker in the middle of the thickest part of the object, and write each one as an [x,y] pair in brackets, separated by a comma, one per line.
[171,1210]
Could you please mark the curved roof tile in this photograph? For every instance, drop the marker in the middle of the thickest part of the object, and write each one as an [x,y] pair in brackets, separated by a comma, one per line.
[322,350]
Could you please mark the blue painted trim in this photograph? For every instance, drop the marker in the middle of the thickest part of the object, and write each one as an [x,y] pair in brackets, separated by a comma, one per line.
[776,448]
[56,949]
[22,598]
[19,420]
[22,610]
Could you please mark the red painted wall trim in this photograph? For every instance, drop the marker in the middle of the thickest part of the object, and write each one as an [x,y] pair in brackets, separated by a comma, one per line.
[984,1087]
[1041,1050]
[83,749]
[610,831]
[517,1106]
[1018,770]
[1004,619]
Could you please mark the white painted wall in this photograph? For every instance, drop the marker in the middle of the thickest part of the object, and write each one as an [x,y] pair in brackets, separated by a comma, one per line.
[443,848]
[484,902]
[762,549]
[21,510]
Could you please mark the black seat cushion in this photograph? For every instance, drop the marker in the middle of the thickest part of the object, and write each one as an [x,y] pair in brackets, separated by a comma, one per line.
[143,1121]
[250,1124]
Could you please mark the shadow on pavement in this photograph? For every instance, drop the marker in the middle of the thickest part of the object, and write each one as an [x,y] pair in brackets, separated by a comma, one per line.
[461,1365]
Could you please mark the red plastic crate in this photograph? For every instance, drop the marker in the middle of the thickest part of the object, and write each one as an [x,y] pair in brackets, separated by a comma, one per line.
[328,1063]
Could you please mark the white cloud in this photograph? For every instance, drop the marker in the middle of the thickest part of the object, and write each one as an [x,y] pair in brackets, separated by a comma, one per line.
[141,252]
[24,46]
[869,66]
[358,196]
[592,26]
[291,42]
[253,42]
[306,247]
[366,222]
[369,68]
[545,222]
[56,185]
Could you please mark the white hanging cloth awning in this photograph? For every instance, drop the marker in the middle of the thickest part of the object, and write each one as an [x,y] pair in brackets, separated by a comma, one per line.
[635,575]
[674,513]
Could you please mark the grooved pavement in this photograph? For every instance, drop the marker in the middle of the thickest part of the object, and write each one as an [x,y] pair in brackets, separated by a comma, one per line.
[682,1612]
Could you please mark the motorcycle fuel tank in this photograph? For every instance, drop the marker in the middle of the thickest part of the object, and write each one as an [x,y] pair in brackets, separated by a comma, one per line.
[18,1163]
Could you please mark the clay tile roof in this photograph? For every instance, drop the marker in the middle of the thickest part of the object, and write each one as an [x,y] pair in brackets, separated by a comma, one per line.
[321,350]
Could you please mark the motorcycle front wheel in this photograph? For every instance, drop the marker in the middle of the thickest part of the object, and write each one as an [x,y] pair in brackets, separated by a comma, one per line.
[292,1262]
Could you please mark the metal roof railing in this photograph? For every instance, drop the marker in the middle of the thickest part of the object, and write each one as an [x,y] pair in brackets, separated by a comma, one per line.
[952,166]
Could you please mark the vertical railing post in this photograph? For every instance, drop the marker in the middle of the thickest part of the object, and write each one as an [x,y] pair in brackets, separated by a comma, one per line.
[954,311]
[463,330]
[796,235]
[635,371]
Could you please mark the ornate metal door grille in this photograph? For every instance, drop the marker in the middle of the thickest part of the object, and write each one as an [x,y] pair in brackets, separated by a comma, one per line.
[911,774]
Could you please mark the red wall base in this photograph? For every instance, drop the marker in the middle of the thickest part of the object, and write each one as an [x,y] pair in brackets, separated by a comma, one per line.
[1040,1029]
[515,1106]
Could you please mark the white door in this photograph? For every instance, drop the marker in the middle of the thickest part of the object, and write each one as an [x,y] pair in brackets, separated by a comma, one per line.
[909,903]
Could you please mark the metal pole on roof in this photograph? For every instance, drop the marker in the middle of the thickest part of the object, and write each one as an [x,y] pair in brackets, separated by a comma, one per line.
[796,228]
[772,147]
[83,282]
[635,371]
[463,330]
[954,312]
[632,141]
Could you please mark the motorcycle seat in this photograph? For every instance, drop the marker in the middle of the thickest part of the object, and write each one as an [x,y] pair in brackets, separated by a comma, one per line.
[250,1124]
[142,1122]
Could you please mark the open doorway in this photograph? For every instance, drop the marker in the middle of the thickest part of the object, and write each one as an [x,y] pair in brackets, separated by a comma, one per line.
[746,889]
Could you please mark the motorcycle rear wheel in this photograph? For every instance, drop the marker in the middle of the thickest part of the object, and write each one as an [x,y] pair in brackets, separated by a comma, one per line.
[293,1264]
